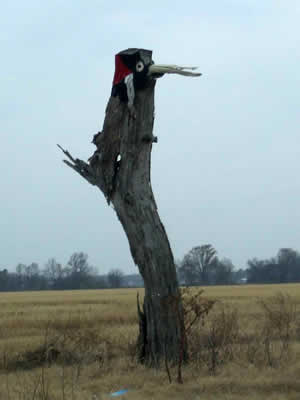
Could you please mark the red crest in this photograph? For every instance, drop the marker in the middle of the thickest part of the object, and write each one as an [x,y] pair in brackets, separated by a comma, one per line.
[121,71]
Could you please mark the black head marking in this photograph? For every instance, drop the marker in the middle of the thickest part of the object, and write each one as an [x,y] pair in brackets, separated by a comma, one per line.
[131,61]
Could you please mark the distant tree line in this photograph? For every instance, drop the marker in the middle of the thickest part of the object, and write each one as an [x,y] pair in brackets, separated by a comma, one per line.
[200,266]
[77,274]
[283,268]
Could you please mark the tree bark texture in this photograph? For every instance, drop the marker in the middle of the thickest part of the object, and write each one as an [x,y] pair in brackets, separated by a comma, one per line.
[120,168]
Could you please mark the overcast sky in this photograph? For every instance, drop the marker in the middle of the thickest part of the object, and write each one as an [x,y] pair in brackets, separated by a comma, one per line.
[226,167]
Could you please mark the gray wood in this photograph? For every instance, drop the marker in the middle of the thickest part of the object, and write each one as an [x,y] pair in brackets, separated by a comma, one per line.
[127,186]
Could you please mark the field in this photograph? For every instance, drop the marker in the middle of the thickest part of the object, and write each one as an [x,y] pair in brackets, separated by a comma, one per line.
[81,345]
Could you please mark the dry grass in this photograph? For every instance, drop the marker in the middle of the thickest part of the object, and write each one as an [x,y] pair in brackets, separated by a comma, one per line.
[248,348]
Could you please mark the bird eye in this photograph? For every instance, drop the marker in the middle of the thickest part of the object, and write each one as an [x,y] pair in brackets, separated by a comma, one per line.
[139,66]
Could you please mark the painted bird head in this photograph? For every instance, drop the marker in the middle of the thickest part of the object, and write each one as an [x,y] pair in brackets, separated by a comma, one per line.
[134,67]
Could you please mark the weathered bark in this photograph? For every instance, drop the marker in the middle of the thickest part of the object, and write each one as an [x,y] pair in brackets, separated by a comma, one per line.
[126,184]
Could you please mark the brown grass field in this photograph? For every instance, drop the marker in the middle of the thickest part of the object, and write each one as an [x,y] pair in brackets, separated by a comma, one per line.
[247,348]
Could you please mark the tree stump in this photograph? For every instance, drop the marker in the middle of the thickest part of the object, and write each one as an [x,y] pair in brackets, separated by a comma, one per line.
[120,168]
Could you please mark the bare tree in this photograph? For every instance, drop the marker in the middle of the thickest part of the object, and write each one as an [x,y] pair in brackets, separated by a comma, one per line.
[115,278]
[199,262]
[224,272]
[78,271]
[54,273]
[29,277]
[120,168]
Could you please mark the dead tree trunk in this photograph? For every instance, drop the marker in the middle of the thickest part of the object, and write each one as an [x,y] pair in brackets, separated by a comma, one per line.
[120,168]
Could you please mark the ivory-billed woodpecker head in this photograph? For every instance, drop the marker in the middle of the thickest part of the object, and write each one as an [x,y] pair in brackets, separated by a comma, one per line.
[134,67]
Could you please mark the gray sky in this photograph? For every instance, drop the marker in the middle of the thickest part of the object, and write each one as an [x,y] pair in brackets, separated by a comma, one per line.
[226,168]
